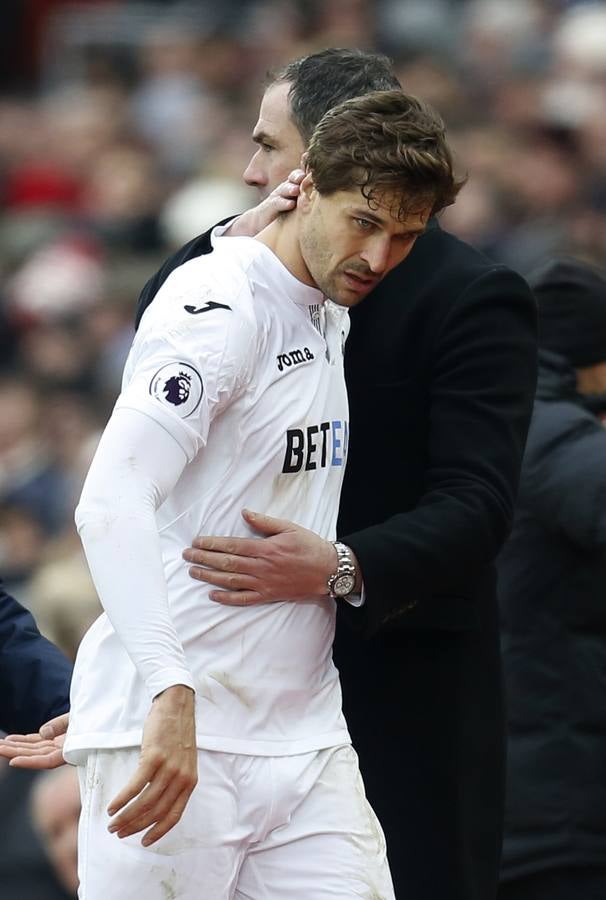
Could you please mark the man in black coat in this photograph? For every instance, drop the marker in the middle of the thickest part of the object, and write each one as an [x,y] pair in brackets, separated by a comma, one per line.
[552,585]
[441,369]
[34,674]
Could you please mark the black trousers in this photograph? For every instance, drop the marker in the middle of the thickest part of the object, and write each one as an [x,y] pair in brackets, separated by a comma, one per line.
[566,883]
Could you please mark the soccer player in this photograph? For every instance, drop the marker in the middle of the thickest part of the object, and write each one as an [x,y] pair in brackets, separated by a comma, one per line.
[233,395]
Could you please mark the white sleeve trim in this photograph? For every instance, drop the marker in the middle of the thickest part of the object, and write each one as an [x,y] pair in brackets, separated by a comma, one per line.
[135,467]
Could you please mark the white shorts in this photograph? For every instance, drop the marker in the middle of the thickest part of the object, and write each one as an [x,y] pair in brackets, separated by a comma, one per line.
[255,828]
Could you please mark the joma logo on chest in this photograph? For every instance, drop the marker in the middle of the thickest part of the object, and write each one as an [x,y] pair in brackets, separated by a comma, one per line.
[293,358]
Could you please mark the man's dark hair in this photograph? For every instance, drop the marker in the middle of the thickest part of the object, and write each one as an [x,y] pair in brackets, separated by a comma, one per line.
[389,144]
[327,78]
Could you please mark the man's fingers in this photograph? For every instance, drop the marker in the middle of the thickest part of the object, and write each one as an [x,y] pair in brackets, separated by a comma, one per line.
[284,204]
[51,760]
[285,191]
[28,755]
[13,748]
[168,821]
[222,561]
[239,598]
[247,547]
[229,581]
[289,189]
[23,738]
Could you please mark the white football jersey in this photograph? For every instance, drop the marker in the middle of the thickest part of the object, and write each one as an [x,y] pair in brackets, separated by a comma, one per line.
[243,365]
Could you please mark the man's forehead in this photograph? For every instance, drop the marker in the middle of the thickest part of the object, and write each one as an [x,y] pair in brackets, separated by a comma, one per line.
[274,111]
[395,209]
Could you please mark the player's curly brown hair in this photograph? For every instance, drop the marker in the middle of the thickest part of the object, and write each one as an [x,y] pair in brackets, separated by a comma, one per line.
[386,143]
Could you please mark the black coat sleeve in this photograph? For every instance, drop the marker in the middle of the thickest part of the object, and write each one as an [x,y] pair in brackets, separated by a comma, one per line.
[196,247]
[482,380]
[34,675]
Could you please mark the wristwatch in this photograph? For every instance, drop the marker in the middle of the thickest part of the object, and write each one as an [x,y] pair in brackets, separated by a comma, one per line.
[343,580]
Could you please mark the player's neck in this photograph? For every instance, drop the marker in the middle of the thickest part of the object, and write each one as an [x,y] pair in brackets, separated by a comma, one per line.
[282,237]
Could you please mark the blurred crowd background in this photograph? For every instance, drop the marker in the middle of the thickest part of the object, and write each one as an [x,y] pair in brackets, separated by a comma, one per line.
[124,130]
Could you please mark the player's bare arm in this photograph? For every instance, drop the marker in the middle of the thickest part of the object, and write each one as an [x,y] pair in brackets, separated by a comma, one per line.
[290,563]
[158,792]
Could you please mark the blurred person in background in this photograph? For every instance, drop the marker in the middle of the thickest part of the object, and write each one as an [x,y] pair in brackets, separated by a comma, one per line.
[552,584]
[441,364]
[26,871]
[28,478]
[55,811]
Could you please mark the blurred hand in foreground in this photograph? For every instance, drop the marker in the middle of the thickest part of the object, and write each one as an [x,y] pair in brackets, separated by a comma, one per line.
[42,750]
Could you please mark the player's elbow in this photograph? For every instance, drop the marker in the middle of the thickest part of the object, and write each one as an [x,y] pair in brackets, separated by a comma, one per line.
[93,512]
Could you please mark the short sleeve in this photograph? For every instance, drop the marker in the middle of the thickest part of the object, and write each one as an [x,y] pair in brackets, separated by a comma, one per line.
[185,368]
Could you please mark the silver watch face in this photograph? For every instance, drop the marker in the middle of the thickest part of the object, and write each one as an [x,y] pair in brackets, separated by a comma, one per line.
[344,585]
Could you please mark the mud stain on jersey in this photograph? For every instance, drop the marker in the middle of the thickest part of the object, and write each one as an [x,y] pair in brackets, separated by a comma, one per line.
[237,690]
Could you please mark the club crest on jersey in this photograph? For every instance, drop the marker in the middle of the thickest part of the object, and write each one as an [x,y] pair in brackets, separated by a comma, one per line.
[179,386]
[316,316]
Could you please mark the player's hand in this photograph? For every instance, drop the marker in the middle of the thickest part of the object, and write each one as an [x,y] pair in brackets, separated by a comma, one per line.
[291,563]
[282,199]
[167,771]
[43,750]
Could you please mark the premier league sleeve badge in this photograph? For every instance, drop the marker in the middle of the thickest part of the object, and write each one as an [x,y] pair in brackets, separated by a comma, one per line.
[178,386]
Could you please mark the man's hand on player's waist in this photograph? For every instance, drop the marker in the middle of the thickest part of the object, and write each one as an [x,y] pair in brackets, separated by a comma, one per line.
[167,771]
[291,563]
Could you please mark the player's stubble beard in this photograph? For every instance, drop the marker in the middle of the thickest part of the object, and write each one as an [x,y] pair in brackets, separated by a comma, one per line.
[314,244]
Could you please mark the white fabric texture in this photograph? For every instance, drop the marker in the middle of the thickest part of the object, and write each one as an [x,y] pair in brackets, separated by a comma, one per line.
[255,828]
[233,396]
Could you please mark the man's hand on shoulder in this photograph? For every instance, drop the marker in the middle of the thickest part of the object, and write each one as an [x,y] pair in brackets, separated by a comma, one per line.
[291,563]
[167,771]
[282,199]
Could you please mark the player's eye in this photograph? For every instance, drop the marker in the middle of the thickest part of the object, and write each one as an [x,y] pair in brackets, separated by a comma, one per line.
[364,224]
[266,148]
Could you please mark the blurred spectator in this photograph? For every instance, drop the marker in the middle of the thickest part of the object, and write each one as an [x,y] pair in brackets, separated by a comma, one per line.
[22,539]
[171,97]
[29,480]
[200,204]
[63,599]
[55,810]
[552,581]
[26,872]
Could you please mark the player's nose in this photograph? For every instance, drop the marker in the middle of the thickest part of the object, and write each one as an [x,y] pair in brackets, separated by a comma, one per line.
[376,255]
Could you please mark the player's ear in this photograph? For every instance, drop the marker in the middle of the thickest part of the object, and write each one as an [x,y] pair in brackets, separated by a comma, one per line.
[308,191]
